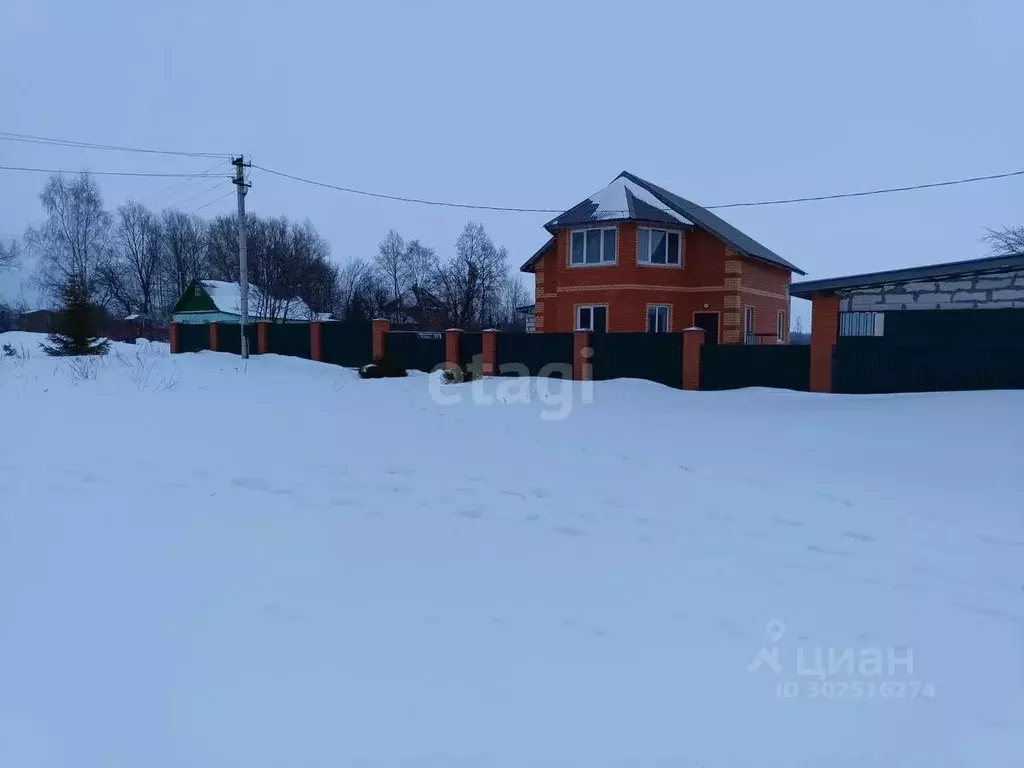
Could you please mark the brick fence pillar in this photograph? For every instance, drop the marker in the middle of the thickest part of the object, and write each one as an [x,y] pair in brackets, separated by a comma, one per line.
[489,363]
[316,340]
[582,369]
[262,344]
[175,338]
[214,337]
[380,332]
[452,340]
[824,332]
[693,340]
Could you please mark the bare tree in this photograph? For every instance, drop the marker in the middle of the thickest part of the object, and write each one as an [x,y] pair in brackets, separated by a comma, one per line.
[132,276]
[469,285]
[74,240]
[10,256]
[222,247]
[184,250]
[1007,241]
[514,294]
[420,263]
[390,263]
[348,284]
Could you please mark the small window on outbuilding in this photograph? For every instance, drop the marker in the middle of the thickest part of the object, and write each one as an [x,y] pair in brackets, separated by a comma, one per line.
[861,323]
[199,289]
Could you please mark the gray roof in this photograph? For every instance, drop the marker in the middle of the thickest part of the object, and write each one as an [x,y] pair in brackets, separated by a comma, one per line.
[643,201]
[528,264]
[717,226]
[808,288]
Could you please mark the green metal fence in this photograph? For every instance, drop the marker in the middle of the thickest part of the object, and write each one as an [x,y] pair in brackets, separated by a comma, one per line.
[876,365]
[193,338]
[289,339]
[652,356]
[725,366]
[534,354]
[348,344]
[415,350]
[471,345]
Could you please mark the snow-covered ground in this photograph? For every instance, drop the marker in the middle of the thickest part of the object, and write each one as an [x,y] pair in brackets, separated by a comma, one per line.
[205,566]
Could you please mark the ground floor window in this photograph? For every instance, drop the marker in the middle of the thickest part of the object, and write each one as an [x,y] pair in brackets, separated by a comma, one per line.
[657,318]
[748,326]
[780,327]
[592,317]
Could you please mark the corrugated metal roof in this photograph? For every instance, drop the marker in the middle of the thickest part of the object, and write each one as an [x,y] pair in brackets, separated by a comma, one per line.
[808,288]
[717,226]
[630,198]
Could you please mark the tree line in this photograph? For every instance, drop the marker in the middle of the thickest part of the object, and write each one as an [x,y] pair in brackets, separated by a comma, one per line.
[134,260]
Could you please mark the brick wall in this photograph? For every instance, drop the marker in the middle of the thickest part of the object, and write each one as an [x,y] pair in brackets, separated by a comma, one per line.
[710,280]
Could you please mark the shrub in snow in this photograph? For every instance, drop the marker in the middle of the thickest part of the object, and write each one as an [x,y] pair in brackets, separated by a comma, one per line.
[382,369]
[75,332]
[456,375]
[10,351]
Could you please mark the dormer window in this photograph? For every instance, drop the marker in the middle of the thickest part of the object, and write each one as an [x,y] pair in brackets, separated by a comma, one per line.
[591,247]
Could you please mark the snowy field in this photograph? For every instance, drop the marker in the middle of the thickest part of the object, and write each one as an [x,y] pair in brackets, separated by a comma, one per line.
[205,566]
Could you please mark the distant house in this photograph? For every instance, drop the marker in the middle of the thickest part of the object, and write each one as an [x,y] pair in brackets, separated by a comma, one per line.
[417,308]
[38,320]
[528,316]
[634,257]
[216,301]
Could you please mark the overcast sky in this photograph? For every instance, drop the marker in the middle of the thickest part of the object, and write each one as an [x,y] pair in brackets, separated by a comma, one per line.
[538,104]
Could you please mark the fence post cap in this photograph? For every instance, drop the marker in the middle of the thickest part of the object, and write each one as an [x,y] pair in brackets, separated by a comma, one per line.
[450,330]
[491,330]
[693,328]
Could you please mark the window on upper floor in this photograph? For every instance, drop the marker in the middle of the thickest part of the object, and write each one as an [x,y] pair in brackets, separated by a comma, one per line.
[659,247]
[591,247]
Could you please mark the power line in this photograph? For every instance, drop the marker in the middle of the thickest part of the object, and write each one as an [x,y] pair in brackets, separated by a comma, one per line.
[782,201]
[181,184]
[30,139]
[884,191]
[204,192]
[114,173]
[216,200]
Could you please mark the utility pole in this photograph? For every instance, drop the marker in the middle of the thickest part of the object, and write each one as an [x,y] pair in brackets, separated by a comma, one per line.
[243,267]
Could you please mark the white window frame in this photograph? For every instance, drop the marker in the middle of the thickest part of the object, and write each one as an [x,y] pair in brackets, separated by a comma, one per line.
[668,317]
[668,265]
[780,326]
[591,307]
[861,323]
[602,262]
[748,328]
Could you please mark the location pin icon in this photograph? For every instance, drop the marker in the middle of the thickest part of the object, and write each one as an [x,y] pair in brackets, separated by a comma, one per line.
[775,629]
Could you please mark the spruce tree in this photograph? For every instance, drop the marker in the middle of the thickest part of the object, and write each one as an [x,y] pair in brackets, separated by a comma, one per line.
[75,332]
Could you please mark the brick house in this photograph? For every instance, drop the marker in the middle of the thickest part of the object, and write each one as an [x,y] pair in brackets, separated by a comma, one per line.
[635,257]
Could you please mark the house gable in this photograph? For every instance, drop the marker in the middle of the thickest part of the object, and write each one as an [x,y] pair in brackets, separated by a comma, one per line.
[194,299]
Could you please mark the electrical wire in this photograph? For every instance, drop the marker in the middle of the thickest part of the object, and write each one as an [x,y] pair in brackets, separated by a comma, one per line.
[30,139]
[114,173]
[181,184]
[203,192]
[781,201]
[216,200]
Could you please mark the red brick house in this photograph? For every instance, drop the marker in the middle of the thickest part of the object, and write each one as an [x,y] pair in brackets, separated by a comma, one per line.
[635,257]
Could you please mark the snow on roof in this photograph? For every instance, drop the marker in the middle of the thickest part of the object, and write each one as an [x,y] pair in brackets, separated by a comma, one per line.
[622,199]
[613,201]
[227,297]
